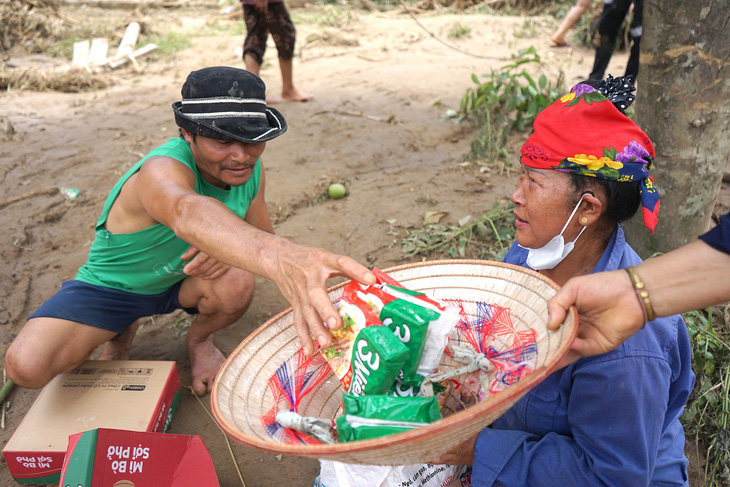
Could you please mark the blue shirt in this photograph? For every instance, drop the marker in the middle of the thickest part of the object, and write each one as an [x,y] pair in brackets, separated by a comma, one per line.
[609,420]
[719,237]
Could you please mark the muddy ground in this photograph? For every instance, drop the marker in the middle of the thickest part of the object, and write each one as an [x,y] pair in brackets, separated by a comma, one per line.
[382,86]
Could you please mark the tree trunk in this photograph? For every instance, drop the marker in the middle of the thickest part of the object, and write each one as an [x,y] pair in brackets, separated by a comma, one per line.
[683,104]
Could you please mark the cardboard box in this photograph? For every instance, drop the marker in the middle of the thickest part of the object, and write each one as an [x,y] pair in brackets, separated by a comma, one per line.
[128,395]
[109,458]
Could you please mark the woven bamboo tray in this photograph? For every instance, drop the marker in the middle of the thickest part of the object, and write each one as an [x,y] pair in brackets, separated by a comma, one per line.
[240,395]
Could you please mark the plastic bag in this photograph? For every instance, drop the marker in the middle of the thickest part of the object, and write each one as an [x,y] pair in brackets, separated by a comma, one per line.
[338,474]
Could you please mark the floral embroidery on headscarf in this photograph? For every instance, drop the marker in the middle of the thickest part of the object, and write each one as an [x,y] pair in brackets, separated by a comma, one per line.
[634,152]
[567,98]
[582,88]
[612,165]
[594,163]
[576,92]
[583,92]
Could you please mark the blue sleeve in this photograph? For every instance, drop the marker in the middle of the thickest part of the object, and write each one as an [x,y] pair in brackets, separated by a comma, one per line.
[719,237]
[616,413]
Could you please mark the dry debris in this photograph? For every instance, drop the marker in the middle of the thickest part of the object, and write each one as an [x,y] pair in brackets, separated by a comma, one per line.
[65,79]
[29,24]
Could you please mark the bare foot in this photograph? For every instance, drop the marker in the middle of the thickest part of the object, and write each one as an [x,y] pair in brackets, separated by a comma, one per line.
[559,42]
[115,350]
[272,101]
[296,95]
[118,348]
[205,360]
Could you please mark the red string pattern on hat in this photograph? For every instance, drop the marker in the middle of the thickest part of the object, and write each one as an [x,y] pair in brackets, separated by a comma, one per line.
[513,353]
[293,380]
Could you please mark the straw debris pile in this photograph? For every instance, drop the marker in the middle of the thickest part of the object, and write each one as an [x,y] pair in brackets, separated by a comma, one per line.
[29,24]
[65,79]
[29,27]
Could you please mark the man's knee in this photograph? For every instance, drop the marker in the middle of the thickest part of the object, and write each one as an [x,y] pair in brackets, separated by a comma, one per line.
[26,368]
[236,291]
[46,347]
[230,294]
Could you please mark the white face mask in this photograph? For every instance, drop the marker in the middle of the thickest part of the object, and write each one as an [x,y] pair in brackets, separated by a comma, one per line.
[553,252]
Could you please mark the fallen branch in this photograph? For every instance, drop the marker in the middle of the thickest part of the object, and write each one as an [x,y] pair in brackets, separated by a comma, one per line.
[2,404]
[390,119]
[451,46]
[32,194]
[7,387]
[372,58]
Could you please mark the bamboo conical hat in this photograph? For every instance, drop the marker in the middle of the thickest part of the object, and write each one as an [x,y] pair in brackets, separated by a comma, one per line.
[241,395]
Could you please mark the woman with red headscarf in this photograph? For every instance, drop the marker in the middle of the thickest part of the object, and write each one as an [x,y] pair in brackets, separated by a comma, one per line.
[611,419]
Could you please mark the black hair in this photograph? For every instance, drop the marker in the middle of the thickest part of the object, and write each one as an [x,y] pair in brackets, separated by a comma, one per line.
[194,135]
[622,198]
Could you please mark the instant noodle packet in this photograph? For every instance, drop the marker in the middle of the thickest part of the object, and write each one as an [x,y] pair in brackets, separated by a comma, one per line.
[422,323]
[409,322]
[356,314]
[374,416]
[419,322]
[377,358]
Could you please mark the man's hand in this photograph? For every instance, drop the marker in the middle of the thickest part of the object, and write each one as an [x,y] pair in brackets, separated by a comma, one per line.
[202,265]
[462,454]
[609,312]
[301,274]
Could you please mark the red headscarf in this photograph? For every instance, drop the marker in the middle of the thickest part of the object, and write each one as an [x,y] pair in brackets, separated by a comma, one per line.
[585,133]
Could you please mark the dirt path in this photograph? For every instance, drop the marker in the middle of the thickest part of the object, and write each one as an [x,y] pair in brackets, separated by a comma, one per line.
[382,86]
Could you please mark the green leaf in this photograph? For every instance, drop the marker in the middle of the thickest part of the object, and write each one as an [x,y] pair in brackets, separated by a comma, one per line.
[593,96]
[542,81]
[610,152]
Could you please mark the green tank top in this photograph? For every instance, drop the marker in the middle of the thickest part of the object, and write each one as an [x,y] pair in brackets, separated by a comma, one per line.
[148,261]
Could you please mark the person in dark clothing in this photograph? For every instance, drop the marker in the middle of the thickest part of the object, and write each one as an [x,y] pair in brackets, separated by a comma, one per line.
[614,13]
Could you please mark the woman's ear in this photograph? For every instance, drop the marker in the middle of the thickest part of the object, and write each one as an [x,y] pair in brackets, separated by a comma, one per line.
[590,210]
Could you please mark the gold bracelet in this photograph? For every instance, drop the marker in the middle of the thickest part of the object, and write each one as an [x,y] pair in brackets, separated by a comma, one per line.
[642,293]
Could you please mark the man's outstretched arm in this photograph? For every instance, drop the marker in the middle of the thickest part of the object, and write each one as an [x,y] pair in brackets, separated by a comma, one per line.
[166,190]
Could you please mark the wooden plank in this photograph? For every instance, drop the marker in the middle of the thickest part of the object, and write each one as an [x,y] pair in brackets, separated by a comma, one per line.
[115,63]
[81,53]
[98,51]
[129,40]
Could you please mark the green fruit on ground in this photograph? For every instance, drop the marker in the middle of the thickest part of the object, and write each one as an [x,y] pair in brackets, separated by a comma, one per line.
[481,229]
[337,191]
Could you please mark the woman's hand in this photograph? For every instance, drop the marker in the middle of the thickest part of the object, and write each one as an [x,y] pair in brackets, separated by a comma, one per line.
[462,454]
[609,312]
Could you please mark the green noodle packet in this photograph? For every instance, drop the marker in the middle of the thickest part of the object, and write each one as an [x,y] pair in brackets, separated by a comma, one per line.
[377,357]
[398,389]
[409,322]
[367,417]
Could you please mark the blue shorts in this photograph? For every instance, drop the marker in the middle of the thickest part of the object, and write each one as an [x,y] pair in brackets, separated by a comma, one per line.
[107,308]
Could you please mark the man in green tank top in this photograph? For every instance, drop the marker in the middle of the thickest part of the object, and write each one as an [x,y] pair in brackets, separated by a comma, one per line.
[186,228]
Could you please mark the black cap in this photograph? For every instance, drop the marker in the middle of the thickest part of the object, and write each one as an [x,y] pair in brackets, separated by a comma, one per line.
[227,103]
